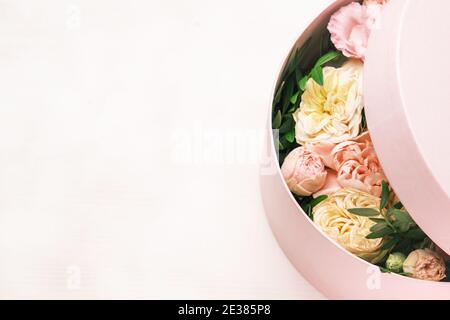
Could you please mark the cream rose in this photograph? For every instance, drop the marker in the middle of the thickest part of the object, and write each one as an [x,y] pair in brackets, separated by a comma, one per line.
[346,229]
[332,112]
[425,265]
[304,172]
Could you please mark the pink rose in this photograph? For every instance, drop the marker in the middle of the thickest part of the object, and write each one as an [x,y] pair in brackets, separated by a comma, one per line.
[304,172]
[331,185]
[358,166]
[350,28]
[333,155]
[323,149]
[356,163]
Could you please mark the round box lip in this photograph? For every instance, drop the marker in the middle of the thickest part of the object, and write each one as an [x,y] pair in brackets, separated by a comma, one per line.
[391,277]
[394,118]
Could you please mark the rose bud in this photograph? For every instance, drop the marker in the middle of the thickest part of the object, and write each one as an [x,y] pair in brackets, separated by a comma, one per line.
[304,172]
[395,262]
[425,265]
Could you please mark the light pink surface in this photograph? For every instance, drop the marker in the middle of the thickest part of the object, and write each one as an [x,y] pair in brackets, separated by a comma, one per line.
[407,107]
[332,270]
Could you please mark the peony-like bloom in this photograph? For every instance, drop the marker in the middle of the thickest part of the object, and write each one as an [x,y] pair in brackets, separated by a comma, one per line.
[332,112]
[304,172]
[359,167]
[350,28]
[425,265]
[356,163]
[346,229]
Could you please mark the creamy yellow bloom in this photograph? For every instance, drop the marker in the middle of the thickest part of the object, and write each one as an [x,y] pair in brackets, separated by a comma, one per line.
[332,112]
[346,229]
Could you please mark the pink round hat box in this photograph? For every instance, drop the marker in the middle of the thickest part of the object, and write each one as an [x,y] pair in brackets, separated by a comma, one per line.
[407,98]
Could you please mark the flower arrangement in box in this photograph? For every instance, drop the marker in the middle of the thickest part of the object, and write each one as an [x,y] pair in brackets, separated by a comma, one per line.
[327,156]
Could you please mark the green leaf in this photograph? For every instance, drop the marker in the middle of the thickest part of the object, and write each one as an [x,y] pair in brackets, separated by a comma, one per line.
[378,220]
[364,212]
[304,50]
[318,200]
[398,205]
[298,75]
[402,227]
[385,270]
[379,226]
[293,109]
[295,57]
[285,143]
[277,121]
[290,136]
[415,234]
[305,204]
[385,195]
[277,98]
[401,216]
[381,233]
[288,92]
[288,124]
[292,63]
[317,75]
[280,145]
[401,220]
[389,245]
[294,98]
[405,274]
[328,57]
[302,83]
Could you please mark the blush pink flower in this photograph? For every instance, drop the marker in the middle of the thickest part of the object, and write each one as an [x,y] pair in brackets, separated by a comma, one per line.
[350,28]
[304,172]
[331,185]
[356,163]
[425,265]
[358,166]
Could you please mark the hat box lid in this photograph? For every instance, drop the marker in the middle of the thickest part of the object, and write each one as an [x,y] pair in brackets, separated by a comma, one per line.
[407,99]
